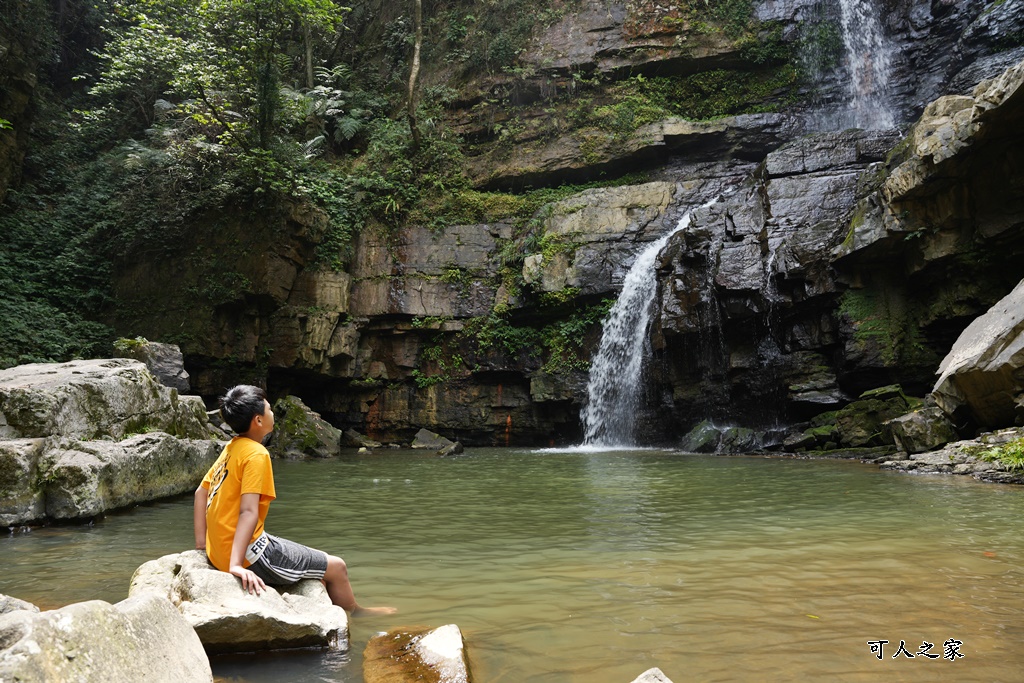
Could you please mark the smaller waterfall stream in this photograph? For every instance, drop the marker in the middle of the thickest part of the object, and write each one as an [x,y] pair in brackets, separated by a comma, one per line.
[613,388]
[870,60]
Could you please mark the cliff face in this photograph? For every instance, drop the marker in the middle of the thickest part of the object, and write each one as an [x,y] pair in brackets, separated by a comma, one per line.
[830,263]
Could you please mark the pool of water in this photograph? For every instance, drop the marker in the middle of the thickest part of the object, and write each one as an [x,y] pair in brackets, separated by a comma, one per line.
[573,567]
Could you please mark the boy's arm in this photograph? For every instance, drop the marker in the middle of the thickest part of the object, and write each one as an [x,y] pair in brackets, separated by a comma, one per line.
[248,518]
[199,517]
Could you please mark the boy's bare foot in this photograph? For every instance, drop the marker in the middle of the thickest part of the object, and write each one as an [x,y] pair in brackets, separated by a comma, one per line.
[372,611]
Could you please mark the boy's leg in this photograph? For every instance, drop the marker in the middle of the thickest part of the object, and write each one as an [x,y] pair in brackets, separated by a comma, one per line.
[285,562]
[340,589]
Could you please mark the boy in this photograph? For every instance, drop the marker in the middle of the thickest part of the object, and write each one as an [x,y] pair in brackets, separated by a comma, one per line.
[231,505]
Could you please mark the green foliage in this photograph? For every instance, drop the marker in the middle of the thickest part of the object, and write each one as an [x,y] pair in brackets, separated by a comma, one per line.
[1010,455]
[488,36]
[221,57]
[564,338]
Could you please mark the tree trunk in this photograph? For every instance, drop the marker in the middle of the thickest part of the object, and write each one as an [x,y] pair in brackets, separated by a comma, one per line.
[414,73]
[309,56]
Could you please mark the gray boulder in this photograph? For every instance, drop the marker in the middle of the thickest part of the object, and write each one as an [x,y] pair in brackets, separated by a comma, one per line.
[354,439]
[980,378]
[93,399]
[86,478]
[428,440]
[301,433]
[229,619]
[67,479]
[164,361]
[922,430]
[415,654]
[9,604]
[141,638]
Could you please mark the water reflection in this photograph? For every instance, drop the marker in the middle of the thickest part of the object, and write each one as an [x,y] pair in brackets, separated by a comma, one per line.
[595,566]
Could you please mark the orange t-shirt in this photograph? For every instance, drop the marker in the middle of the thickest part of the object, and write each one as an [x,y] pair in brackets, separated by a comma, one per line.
[243,467]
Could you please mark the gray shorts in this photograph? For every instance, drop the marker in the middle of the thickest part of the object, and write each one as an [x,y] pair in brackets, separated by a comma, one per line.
[284,562]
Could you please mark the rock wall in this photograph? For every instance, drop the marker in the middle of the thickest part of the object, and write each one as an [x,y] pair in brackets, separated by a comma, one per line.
[829,264]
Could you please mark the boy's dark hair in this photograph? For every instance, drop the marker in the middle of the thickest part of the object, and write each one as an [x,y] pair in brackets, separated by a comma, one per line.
[240,405]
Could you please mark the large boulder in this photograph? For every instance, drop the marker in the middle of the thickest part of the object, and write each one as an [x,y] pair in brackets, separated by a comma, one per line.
[164,361]
[864,422]
[63,479]
[9,604]
[229,619]
[93,399]
[405,655]
[922,430]
[301,433]
[80,438]
[86,478]
[980,378]
[141,638]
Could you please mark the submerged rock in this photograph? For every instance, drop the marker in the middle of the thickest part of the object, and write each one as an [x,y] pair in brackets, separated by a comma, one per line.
[417,654]
[300,432]
[229,619]
[141,638]
[428,440]
[654,675]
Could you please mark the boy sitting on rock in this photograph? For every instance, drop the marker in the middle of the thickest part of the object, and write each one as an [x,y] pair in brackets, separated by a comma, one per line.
[232,502]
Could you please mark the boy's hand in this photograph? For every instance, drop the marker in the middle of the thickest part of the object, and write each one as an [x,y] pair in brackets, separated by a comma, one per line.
[250,582]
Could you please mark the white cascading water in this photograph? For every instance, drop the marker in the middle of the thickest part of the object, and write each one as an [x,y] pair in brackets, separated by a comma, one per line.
[613,389]
[869,56]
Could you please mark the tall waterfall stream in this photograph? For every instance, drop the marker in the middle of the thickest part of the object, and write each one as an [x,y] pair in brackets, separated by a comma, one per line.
[613,387]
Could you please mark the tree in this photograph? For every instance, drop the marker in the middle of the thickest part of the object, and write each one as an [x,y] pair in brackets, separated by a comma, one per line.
[225,56]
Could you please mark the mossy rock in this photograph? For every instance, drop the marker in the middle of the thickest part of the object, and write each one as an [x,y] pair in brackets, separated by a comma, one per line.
[862,423]
[301,433]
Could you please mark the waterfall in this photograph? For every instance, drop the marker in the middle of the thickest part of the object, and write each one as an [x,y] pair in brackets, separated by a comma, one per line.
[869,56]
[852,35]
[613,389]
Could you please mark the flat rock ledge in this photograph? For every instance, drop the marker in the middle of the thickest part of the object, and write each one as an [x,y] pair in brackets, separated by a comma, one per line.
[424,655]
[141,638]
[228,619]
[964,458]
